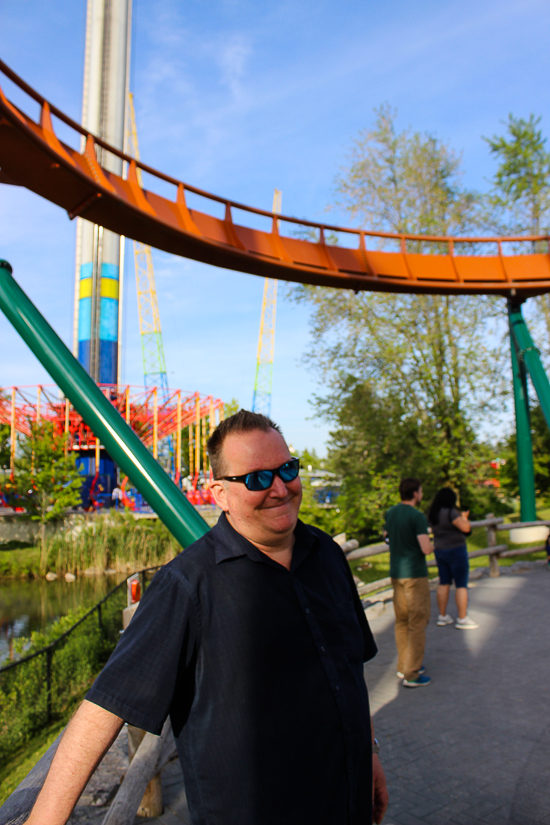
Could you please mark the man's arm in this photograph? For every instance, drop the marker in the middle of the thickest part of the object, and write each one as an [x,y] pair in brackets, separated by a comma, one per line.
[425,544]
[89,735]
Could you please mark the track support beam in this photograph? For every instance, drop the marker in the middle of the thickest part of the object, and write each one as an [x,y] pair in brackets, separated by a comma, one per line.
[122,444]
[524,445]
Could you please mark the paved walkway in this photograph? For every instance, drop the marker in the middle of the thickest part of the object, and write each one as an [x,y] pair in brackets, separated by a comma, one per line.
[473,748]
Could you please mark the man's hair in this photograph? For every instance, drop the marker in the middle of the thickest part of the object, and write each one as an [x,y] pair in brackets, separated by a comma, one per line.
[408,487]
[242,422]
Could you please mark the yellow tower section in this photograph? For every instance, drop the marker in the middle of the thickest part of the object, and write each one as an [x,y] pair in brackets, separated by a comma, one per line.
[154,363]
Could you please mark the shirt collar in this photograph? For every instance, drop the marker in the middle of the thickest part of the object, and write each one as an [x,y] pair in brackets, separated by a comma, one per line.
[230,544]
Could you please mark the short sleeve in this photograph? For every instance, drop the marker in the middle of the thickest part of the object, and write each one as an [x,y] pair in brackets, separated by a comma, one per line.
[154,653]
[370,648]
[454,514]
[421,523]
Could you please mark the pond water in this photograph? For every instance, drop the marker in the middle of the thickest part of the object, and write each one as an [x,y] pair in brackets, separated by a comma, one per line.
[31,605]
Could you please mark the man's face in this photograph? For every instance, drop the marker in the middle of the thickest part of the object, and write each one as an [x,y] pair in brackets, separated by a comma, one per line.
[264,517]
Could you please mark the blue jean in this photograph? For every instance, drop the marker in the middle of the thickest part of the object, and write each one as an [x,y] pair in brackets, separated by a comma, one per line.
[453,565]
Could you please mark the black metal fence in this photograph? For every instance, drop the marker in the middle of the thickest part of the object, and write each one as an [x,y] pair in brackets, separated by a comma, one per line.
[49,651]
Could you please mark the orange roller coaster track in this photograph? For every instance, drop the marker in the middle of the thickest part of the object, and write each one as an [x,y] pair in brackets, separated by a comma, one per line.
[32,155]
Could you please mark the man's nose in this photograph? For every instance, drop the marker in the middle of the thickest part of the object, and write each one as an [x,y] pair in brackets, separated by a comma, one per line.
[278,488]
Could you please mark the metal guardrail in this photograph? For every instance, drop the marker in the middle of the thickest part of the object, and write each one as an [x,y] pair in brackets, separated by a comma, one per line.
[50,649]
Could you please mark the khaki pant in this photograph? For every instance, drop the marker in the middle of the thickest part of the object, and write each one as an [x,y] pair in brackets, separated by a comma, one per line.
[411,602]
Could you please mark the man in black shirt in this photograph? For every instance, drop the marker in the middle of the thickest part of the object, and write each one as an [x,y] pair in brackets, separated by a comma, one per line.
[253,642]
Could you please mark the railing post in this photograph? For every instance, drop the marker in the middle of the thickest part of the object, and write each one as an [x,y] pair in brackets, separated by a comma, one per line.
[494,569]
[49,657]
[100,619]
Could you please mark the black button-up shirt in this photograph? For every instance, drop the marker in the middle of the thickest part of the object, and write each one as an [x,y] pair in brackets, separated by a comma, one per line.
[261,671]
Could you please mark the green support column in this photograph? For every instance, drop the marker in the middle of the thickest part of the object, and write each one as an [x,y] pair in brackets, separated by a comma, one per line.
[526,473]
[529,354]
[122,444]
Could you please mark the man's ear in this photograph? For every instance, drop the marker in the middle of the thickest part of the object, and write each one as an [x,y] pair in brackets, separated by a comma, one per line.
[218,491]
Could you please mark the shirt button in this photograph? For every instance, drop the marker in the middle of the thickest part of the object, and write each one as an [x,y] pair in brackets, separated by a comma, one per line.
[322,649]
[337,687]
[308,610]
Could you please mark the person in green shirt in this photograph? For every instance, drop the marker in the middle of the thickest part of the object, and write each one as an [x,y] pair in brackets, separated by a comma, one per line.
[407,531]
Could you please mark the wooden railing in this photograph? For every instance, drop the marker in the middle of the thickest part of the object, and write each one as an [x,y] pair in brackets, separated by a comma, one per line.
[493,551]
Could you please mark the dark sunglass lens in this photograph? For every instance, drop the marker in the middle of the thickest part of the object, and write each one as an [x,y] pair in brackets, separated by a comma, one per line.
[260,480]
[289,471]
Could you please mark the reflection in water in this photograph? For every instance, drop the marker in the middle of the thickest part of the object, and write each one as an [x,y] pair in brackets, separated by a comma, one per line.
[32,605]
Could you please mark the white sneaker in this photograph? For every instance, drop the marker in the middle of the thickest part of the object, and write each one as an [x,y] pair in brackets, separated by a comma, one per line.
[444,620]
[466,623]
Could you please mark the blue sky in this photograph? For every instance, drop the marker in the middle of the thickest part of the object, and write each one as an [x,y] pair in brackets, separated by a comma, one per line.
[240,97]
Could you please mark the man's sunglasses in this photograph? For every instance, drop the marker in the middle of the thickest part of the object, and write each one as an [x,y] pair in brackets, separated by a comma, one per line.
[263,479]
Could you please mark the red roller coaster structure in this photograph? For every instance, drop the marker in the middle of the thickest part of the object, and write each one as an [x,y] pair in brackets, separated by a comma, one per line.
[154,417]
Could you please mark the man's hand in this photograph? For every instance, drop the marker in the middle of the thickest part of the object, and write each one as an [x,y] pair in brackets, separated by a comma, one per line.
[379,791]
[425,544]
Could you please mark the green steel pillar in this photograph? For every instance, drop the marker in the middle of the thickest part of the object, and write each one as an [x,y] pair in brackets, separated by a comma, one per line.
[122,444]
[524,446]
[530,355]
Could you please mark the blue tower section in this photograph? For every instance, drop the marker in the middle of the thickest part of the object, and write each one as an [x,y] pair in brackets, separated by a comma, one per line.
[98,322]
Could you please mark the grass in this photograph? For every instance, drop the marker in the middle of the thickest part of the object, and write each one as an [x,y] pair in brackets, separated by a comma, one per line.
[19,563]
[24,760]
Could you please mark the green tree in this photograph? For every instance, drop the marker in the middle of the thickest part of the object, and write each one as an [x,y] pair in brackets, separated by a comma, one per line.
[5,445]
[309,460]
[540,436]
[231,408]
[520,199]
[405,182]
[426,368]
[48,480]
[521,184]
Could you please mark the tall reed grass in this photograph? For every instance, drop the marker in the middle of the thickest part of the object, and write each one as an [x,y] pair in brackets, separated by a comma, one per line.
[111,541]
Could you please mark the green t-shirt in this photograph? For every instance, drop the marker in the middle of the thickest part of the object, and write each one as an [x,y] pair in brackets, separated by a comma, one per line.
[403,524]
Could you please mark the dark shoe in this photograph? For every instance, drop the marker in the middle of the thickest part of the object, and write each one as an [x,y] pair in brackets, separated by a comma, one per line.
[420,681]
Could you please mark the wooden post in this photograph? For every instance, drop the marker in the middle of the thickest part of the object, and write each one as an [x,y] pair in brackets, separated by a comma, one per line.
[494,569]
[151,803]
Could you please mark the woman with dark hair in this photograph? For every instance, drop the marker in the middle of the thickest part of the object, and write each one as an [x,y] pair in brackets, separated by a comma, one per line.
[450,528]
